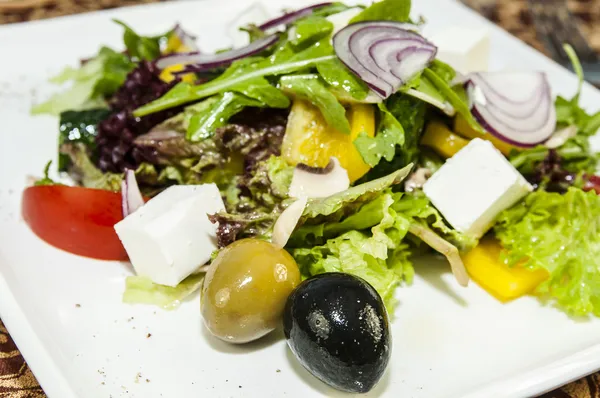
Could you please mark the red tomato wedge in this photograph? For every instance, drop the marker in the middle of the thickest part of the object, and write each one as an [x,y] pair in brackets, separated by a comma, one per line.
[75,219]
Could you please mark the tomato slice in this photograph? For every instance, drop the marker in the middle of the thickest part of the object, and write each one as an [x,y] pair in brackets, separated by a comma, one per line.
[75,219]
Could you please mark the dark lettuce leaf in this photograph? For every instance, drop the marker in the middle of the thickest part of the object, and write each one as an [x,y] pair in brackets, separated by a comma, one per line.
[79,127]
[257,202]
[116,134]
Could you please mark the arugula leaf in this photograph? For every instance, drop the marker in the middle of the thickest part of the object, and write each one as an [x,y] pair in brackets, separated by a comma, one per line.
[330,9]
[115,69]
[309,29]
[389,134]
[385,10]
[283,61]
[310,87]
[561,234]
[218,111]
[97,79]
[456,97]
[79,127]
[261,90]
[335,73]
[46,180]
[410,114]
[141,47]
[443,70]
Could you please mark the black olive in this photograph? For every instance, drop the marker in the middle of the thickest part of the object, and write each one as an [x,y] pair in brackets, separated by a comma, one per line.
[337,326]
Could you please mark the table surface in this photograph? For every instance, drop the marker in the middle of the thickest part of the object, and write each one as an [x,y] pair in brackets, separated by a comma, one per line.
[17,380]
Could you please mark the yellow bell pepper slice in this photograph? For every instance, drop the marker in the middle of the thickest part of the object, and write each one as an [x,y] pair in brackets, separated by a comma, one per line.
[503,282]
[309,140]
[443,141]
[461,126]
[174,45]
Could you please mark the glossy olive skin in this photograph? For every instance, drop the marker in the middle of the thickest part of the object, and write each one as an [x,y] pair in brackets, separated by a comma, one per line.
[337,326]
[246,288]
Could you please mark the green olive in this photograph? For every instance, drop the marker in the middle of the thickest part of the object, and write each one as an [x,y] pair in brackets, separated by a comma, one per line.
[246,288]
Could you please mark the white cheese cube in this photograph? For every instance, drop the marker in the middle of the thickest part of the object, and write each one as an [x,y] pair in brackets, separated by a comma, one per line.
[341,19]
[171,236]
[254,14]
[474,186]
[465,49]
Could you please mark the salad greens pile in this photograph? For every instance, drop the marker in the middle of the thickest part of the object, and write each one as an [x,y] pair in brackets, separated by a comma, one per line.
[227,126]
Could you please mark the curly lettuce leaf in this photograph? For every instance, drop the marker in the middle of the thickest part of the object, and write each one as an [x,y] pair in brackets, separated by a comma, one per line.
[141,290]
[378,255]
[372,242]
[346,202]
[98,78]
[561,234]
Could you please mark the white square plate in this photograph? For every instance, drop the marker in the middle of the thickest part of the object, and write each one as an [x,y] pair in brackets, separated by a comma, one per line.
[448,341]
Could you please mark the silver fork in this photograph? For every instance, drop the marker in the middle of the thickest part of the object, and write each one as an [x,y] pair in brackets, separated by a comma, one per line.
[555,25]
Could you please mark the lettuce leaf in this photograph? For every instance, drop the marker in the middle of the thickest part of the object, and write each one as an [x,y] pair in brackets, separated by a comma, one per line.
[389,134]
[410,115]
[141,290]
[386,10]
[98,78]
[85,172]
[311,88]
[378,255]
[561,234]
[372,242]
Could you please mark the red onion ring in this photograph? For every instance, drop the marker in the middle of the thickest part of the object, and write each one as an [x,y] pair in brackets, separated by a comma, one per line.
[515,107]
[385,55]
[211,61]
[131,197]
[290,17]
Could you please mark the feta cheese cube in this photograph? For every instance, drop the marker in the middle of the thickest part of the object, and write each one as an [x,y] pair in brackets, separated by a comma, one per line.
[465,49]
[474,186]
[171,236]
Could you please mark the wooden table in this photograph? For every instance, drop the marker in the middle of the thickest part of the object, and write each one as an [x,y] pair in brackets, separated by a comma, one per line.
[17,381]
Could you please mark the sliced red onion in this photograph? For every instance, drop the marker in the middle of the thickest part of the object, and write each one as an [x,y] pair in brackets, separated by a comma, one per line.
[186,39]
[211,61]
[131,197]
[385,55]
[290,17]
[516,107]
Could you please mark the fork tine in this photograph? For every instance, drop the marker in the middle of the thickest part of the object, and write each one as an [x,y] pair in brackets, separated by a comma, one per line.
[543,27]
[555,26]
[566,30]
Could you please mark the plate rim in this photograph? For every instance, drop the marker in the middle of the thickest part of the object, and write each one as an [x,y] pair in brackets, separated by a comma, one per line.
[56,383]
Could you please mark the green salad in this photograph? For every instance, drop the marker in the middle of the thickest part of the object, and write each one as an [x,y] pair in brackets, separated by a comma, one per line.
[334,141]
